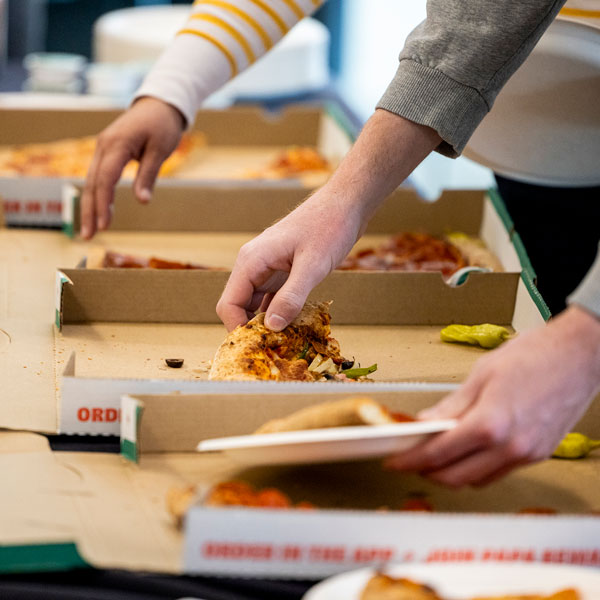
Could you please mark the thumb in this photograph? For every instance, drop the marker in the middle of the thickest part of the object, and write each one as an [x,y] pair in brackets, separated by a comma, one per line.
[455,404]
[147,173]
[289,300]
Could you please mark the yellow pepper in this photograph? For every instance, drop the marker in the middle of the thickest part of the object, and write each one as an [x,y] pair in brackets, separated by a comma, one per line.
[575,445]
[486,335]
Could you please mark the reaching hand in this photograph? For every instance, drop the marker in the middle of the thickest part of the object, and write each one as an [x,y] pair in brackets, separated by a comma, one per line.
[280,267]
[277,270]
[149,131]
[515,406]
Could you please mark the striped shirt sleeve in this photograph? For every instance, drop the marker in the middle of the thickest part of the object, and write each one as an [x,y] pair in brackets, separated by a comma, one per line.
[219,40]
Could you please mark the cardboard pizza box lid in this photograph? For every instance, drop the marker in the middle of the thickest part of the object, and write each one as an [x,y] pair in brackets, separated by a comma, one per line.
[543,127]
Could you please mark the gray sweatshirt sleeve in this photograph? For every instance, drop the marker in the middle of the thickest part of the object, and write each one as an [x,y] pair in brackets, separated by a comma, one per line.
[587,293]
[454,63]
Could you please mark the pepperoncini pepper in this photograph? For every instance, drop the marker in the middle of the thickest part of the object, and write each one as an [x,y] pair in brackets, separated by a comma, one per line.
[486,335]
[575,445]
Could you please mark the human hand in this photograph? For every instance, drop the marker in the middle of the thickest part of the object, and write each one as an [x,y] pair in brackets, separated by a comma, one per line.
[516,405]
[278,269]
[148,132]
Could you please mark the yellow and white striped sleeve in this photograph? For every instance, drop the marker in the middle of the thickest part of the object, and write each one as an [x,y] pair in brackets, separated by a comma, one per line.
[220,39]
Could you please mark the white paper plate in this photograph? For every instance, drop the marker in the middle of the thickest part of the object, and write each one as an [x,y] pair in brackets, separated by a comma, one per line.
[461,581]
[325,445]
[545,124]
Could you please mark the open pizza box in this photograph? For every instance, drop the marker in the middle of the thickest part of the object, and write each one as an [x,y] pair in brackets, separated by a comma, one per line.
[244,211]
[64,509]
[118,326]
[235,146]
[114,339]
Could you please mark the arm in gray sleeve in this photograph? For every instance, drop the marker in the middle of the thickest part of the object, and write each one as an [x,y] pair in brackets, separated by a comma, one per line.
[587,293]
[454,63]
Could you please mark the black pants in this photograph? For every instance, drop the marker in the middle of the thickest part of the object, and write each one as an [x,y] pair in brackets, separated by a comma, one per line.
[560,228]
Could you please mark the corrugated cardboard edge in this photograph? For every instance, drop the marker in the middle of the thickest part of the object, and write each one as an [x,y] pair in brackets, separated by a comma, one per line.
[498,202]
[61,279]
[70,198]
[131,415]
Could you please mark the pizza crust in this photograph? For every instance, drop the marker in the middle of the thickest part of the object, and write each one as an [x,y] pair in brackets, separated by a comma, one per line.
[252,352]
[475,252]
[340,413]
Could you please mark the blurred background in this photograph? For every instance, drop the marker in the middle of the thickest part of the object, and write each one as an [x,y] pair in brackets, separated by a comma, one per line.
[348,51]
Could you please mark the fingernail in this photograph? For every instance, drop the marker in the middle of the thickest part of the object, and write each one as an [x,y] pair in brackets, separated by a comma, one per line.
[100,223]
[85,231]
[275,322]
[145,195]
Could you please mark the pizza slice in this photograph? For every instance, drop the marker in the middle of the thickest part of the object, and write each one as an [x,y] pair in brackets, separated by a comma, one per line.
[386,587]
[566,594]
[413,251]
[339,413]
[229,493]
[100,258]
[292,162]
[72,157]
[303,351]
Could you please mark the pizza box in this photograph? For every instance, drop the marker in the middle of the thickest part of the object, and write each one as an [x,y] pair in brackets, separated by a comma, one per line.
[65,510]
[114,331]
[238,140]
[115,328]
[243,212]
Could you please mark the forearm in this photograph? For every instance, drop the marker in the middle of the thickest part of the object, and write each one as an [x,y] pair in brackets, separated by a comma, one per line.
[385,153]
[454,64]
[220,39]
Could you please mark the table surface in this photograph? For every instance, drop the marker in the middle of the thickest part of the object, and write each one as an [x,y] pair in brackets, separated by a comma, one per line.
[96,584]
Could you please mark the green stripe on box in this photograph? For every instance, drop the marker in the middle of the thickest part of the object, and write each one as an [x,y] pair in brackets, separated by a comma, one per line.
[342,121]
[498,204]
[68,230]
[129,450]
[40,557]
[526,265]
[57,318]
[536,296]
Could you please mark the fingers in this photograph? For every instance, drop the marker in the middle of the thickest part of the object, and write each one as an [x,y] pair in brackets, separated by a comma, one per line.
[456,404]
[236,299]
[88,207]
[150,164]
[289,300]
[98,194]
[480,468]
[479,429]
[107,175]
[251,277]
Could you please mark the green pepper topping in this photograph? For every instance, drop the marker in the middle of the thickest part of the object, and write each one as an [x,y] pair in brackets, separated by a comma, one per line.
[304,351]
[357,372]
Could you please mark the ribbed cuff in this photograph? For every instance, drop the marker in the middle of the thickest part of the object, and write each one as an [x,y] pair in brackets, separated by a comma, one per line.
[587,293]
[186,73]
[175,96]
[429,97]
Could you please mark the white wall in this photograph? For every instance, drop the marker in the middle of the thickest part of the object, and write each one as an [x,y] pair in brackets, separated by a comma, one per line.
[373,33]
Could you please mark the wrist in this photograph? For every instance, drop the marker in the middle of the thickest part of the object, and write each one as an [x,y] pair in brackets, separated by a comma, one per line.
[170,112]
[583,329]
